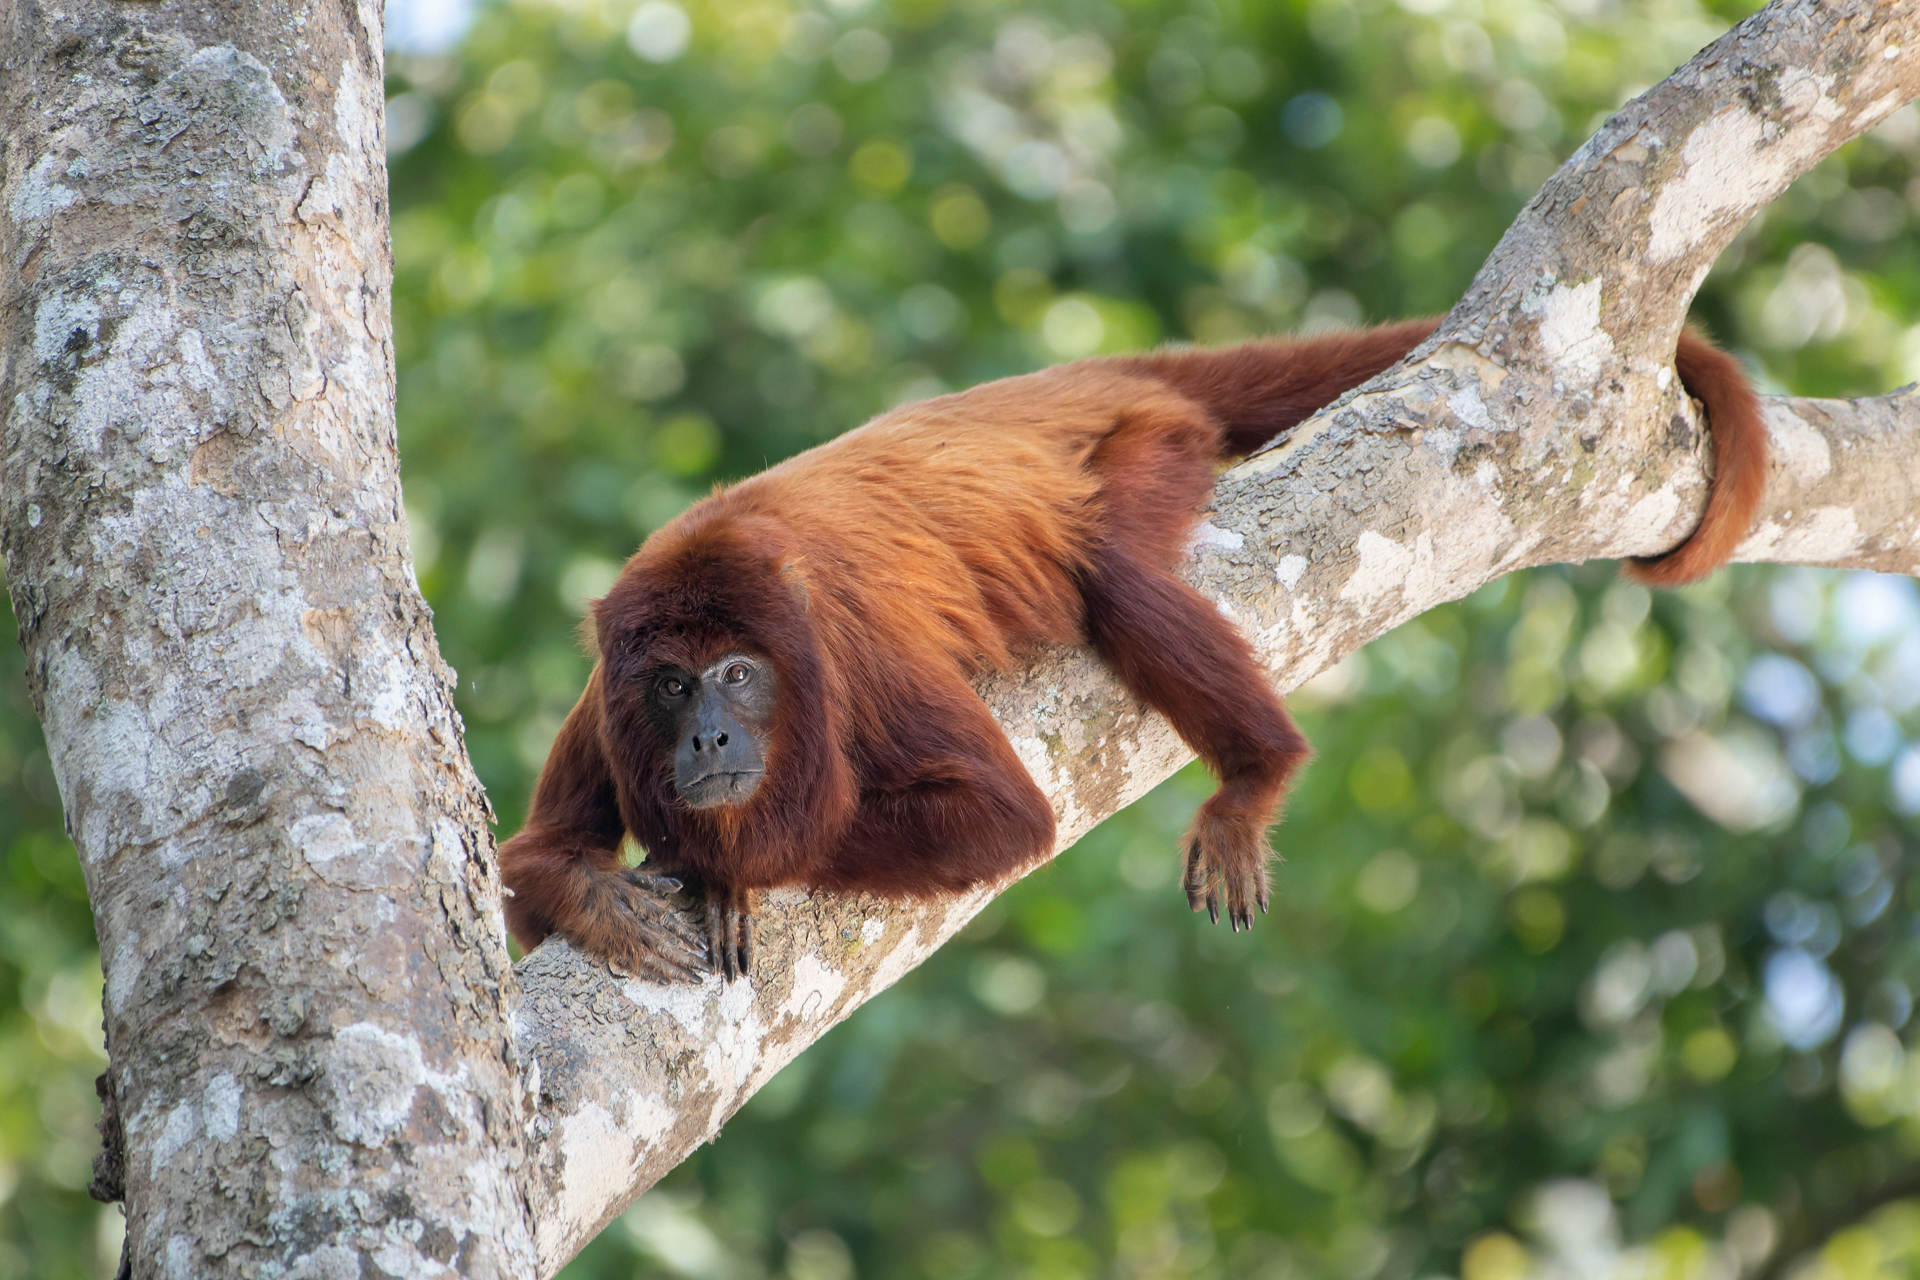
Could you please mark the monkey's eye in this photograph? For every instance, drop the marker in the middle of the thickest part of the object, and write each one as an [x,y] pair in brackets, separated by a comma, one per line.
[737,673]
[672,688]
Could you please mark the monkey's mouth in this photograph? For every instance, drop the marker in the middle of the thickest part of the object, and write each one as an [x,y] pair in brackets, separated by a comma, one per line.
[721,787]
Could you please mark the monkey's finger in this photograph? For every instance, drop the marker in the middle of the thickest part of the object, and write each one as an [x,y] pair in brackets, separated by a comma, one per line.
[1194,881]
[716,940]
[746,942]
[664,926]
[670,950]
[648,894]
[675,949]
[659,916]
[1239,902]
[669,971]
[730,939]
[1205,882]
[644,963]
[675,925]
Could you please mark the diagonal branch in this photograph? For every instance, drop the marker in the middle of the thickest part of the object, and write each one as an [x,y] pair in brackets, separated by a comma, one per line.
[1541,424]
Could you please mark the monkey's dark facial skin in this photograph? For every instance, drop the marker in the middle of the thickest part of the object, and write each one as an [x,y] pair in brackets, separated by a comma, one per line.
[717,720]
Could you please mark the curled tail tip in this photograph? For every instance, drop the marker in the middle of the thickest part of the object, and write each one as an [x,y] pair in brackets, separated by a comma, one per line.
[1739,435]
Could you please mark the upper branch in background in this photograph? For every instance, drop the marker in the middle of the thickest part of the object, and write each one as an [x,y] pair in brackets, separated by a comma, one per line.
[1638,215]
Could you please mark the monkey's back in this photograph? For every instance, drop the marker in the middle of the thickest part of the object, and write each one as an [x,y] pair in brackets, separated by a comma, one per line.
[953,525]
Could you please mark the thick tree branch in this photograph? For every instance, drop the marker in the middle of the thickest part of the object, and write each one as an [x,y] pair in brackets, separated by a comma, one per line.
[1541,424]
[1845,489]
[316,1046]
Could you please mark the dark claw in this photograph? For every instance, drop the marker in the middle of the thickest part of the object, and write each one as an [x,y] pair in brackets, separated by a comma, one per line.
[1213,908]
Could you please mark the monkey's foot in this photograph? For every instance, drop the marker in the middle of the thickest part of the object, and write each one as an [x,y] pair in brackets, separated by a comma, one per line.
[730,931]
[1227,862]
[626,920]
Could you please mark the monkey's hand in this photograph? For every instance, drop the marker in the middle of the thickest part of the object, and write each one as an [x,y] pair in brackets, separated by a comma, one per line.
[626,919]
[1227,856]
[730,931]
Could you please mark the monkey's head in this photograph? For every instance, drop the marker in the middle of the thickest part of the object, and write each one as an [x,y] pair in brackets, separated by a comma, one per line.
[714,686]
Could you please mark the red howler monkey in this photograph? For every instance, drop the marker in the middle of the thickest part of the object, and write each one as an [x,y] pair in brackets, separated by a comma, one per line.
[782,693]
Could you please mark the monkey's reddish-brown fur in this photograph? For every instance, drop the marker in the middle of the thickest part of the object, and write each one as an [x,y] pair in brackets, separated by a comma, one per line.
[878,572]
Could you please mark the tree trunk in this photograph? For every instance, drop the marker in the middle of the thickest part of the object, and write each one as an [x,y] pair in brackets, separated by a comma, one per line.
[321,1058]
[308,989]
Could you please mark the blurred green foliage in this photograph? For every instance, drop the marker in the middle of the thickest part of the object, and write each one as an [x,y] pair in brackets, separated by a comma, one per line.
[1594,950]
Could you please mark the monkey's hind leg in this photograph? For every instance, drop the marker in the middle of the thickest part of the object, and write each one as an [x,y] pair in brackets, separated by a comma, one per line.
[730,930]
[1174,650]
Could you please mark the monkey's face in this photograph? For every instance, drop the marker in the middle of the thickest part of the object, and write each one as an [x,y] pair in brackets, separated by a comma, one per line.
[717,719]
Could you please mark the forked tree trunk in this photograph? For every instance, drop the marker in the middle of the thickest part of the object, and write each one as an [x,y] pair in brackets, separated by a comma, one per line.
[308,989]
[320,1058]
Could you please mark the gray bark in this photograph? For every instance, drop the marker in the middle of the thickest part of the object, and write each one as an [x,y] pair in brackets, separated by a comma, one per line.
[308,986]
[321,1057]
